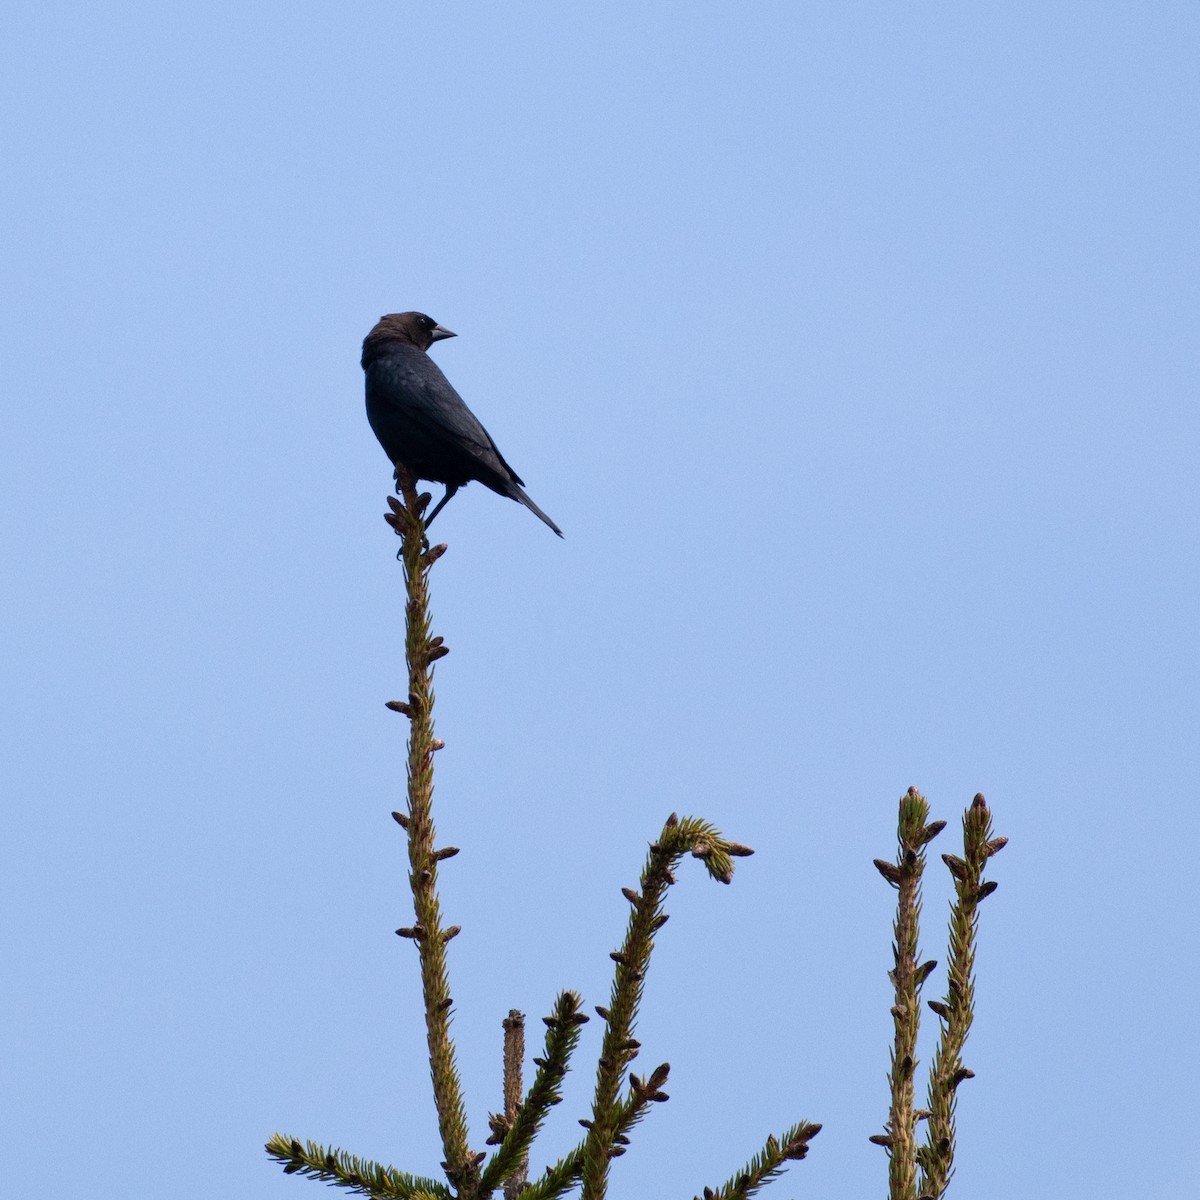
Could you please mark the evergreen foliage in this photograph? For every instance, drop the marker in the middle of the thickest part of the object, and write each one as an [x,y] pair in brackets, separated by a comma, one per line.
[621,1099]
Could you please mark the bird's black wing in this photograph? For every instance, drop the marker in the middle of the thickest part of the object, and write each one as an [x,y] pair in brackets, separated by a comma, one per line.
[408,388]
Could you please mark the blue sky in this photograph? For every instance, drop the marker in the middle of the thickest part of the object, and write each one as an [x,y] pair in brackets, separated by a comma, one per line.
[854,348]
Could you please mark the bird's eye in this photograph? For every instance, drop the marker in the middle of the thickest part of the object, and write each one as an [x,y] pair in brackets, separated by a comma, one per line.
[428,322]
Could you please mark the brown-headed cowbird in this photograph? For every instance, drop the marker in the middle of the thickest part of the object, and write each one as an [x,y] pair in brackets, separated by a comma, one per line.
[422,422]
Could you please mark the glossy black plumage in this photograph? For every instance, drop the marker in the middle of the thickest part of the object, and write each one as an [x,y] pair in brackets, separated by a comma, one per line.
[422,422]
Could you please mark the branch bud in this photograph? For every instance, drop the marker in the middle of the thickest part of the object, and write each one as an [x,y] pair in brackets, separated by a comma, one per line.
[958,868]
[888,870]
[931,831]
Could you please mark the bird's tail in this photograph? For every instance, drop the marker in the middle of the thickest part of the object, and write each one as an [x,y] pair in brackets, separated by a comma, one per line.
[518,494]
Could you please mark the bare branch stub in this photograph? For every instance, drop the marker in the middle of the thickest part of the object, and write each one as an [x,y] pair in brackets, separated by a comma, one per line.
[514,1089]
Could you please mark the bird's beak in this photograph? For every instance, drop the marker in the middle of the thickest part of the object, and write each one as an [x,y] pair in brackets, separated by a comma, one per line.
[440,332]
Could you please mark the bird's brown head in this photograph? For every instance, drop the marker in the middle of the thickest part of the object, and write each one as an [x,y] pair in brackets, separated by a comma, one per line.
[408,328]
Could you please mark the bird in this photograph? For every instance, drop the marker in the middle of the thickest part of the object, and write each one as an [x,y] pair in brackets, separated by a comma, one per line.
[421,422]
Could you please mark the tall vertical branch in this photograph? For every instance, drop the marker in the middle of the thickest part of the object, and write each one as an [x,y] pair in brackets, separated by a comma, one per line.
[907,976]
[514,1063]
[957,1011]
[421,652]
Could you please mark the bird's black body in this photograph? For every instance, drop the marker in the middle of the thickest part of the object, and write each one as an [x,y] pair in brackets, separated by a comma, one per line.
[422,422]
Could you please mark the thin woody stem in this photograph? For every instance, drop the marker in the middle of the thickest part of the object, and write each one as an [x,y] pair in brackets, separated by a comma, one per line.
[421,652]
[514,1060]
[957,1010]
[907,976]
[620,1047]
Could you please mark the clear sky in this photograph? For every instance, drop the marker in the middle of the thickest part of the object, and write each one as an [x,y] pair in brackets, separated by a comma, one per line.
[853,346]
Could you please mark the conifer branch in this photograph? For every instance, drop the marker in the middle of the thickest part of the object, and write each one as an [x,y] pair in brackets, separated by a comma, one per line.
[619,1047]
[766,1164]
[907,976]
[514,1071]
[562,1036]
[421,652]
[564,1174]
[936,1156]
[339,1169]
